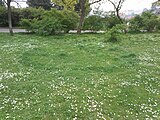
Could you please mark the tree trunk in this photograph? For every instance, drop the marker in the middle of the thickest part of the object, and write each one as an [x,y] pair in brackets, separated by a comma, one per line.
[117,13]
[9,17]
[82,16]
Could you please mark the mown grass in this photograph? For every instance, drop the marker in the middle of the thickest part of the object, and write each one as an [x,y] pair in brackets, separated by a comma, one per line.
[79,77]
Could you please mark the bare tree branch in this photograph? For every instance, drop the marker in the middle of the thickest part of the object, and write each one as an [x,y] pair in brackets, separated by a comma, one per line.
[95,2]
[114,5]
[117,7]
[4,2]
[18,4]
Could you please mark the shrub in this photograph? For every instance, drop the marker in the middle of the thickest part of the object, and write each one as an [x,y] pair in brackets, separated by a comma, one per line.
[69,20]
[94,23]
[3,17]
[51,22]
[112,21]
[26,23]
[148,21]
[31,13]
[136,24]
[115,33]
[18,14]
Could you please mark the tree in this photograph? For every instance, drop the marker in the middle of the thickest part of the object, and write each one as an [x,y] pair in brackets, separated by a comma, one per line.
[155,7]
[136,24]
[111,19]
[80,6]
[147,21]
[1,3]
[83,6]
[46,4]
[150,21]
[117,4]
[8,3]
[66,4]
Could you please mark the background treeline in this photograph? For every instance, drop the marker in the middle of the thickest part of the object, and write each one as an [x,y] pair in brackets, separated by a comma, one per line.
[55,21]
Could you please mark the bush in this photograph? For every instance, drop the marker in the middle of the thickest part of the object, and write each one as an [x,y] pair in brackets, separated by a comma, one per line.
[52,22]
[136,24]
[18,14]
[3,17]
[148,21]
[26,23]
[115,33]
[112,21]
[69,20]
[31,13]
[94,23]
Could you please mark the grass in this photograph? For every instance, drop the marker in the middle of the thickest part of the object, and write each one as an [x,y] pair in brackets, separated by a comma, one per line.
[79,77]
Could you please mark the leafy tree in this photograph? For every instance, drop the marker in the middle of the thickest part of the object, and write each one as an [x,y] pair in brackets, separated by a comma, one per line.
[46,4]
[80,6]
[136,24]
[66,4]
[155,7]
[1,3]
[149,20]
[84,6]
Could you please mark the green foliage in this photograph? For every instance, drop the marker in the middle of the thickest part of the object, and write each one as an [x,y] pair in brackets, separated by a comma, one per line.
[136,24]
[1,3]
[147,21]
[112,21]
[45,4]
[158,24]
[26,23]
[3,17]
[115,33]
[18,14]
[67,4]
[52,22]
[69,20]
[94,23]
[31,13]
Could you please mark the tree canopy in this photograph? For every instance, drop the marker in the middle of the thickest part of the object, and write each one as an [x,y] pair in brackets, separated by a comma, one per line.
[46,4]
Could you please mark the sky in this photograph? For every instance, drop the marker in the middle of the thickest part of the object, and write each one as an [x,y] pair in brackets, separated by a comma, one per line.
[136,5]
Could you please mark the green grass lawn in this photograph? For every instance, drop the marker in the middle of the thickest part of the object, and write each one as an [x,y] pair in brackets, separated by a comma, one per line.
[79,77]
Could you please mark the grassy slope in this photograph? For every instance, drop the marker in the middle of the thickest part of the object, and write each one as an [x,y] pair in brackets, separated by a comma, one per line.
[71,76]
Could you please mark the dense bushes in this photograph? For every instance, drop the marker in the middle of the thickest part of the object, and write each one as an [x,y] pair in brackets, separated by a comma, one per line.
[97,22]
[94,23]
[52,22]
[111,21]
[18,14]
[3,17]
[31,13]
[147,21]
[39,20]
[55,21]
